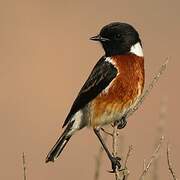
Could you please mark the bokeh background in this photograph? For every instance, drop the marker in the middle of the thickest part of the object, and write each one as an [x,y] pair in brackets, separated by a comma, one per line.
[45,56]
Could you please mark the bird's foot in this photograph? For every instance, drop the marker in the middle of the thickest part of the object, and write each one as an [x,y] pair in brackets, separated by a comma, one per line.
[121,123]
[115,162]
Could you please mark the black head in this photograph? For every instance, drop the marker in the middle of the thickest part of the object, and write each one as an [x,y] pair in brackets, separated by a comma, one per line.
[117,38]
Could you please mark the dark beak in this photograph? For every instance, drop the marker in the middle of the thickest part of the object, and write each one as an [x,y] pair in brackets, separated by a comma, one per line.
[99,38]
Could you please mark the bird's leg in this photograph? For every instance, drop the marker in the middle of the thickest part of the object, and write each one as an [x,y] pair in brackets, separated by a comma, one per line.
[115,161]
[121,123]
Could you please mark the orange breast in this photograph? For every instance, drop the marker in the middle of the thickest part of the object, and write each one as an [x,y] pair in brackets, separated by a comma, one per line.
[121,93]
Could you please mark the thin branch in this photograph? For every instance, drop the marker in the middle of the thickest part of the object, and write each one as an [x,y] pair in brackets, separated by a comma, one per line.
[115,135]
[126,171]
[160,132]
[128,155]
[144,164]
[24,166]
[170,163]
[153,157]
[108,133]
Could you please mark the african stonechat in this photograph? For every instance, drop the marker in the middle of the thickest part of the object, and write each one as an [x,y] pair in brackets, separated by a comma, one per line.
[112,88]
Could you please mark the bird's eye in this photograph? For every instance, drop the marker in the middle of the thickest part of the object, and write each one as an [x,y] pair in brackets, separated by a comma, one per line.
[118,36]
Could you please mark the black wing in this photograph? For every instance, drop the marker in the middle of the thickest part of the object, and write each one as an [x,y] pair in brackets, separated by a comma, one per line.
[102,74]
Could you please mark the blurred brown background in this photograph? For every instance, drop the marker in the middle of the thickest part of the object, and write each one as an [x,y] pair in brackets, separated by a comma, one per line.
[45,56]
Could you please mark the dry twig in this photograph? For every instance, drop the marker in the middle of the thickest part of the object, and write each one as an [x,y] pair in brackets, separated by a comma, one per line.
[155,154]
[114,145]
[126,171]
[128,155]
[160,132]
[108,133]
[120,174]
[170,163]
[24,166]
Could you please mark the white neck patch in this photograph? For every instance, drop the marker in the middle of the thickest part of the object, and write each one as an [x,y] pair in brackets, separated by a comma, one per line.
[137,49]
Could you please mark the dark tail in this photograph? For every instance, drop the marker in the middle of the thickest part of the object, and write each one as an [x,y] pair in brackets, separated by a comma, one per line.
[60,144]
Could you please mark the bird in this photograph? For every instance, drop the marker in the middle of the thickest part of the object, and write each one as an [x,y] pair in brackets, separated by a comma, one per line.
[112,88]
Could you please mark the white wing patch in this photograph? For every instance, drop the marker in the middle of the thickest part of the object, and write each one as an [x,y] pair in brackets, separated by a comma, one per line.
[137,49]
[110,60]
